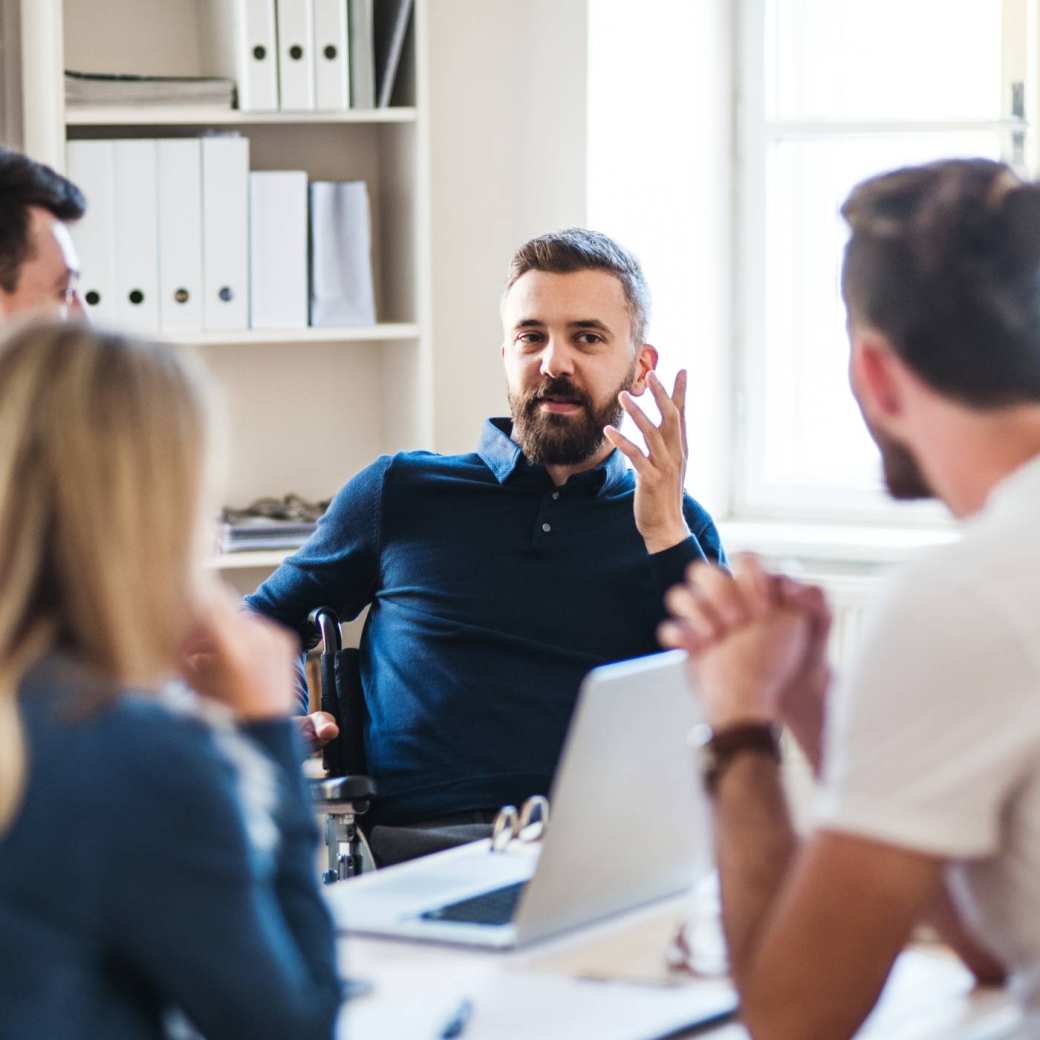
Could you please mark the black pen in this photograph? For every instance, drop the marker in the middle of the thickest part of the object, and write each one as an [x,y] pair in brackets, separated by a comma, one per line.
[456,1025]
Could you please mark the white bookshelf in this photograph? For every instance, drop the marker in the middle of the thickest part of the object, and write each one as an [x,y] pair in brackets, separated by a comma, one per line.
[389,331]
[309,406]
[476,160]
[248,561]
[202,117]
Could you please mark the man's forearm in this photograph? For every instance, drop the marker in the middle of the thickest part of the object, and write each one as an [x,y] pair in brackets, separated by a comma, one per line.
[755,845]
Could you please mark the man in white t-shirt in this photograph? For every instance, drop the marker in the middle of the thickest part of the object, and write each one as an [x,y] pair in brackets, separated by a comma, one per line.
[931,756]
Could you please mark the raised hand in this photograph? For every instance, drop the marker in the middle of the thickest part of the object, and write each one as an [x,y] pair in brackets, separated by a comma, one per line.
[661,470]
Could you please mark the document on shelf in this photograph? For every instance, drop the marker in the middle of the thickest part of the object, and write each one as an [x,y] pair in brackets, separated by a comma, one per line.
[91,165]
[331,56]
[137,234]
[225,232]
[391,27]
[296,55]
[278,249]
[180,235]
[362,54]
[341,254]
[243,44]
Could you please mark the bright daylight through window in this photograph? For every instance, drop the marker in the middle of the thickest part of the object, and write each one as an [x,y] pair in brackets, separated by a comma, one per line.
[832,93]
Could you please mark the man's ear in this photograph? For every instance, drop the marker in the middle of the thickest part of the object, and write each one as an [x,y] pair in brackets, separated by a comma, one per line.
[646,362]
[874,372]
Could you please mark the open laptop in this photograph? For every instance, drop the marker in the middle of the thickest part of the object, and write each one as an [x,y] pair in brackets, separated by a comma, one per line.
[629,825]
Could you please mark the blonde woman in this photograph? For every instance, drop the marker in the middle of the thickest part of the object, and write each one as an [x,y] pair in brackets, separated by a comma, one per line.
[156,848]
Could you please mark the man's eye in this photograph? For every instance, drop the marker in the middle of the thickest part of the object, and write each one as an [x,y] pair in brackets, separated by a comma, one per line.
[589,338]
[528,339]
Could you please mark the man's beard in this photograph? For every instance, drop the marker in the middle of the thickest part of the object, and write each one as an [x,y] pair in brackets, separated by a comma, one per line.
[903,475]
[549,439]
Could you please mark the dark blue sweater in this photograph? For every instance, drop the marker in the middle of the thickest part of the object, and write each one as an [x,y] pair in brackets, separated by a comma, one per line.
[492,593]
[129,886]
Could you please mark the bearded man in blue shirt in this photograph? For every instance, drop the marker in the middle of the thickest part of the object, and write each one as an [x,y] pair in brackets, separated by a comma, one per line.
[495,580]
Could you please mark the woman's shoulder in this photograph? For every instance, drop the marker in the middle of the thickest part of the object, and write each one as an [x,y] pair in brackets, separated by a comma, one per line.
[125,749]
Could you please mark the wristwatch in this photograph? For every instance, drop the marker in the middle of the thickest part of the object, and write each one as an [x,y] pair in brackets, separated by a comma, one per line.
[716,749]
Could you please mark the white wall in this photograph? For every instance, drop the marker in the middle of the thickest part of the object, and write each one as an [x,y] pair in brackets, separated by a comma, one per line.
[506,103]
[660,165]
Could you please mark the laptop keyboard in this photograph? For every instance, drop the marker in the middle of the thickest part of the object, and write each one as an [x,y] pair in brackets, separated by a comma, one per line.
[494,907]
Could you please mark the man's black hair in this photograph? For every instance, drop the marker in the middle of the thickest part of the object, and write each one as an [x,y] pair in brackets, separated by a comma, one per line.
[24,183]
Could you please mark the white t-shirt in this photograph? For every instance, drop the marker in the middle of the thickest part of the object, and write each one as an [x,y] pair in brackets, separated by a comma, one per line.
[933,740]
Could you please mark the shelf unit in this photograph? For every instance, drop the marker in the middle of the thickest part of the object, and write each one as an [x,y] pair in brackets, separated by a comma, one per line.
[308,407]
[248,561]
[476,160]
[388,331]
[202,117]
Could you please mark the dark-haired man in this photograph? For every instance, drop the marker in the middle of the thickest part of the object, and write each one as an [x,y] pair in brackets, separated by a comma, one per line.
[497,579]
[931,763]
[39,270]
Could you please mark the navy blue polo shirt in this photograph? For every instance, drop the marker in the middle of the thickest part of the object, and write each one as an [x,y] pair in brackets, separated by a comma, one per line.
[492,593]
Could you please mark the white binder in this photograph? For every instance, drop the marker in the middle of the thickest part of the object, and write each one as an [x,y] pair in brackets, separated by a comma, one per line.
[91,166]
[362,54]
[296,55]
[341,254]
[331,56]
[137,234]
[180,235]
[243,44]
[278,250]
[225,231]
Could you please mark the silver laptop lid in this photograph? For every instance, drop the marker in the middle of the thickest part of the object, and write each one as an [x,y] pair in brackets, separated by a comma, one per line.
[629,821]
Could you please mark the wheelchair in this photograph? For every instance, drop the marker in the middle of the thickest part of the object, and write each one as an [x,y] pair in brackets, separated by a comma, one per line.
[346,793]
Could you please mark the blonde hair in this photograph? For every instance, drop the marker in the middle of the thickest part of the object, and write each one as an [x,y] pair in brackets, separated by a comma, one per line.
[103,444]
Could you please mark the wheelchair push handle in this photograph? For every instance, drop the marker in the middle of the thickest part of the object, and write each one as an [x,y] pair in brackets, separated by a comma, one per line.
[325,629]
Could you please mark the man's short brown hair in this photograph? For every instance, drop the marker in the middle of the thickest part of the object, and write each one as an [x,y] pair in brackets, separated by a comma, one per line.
[944,259]
[577,249]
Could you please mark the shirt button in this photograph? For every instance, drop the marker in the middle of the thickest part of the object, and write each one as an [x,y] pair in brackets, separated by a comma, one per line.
[555,495]
[546,528]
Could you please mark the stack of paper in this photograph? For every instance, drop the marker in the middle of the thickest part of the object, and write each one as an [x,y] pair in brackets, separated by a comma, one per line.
[259,533]
[88,88]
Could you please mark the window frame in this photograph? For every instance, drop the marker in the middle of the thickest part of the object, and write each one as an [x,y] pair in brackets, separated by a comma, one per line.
[750,497]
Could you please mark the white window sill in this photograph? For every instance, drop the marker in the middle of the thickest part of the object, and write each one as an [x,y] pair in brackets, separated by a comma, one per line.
[856,544]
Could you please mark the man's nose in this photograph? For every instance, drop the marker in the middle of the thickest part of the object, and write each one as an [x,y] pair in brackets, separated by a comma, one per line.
[557,360]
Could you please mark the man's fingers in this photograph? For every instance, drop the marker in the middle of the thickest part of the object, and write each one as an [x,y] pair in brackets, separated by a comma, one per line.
[759,587]
[713,585]
[649,431]
[325,728]
[679,400]
[318,728]
[679,636]
[639,461]
[696,611]
[670,425]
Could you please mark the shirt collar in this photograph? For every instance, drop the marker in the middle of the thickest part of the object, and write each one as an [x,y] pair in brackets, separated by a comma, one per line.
[502,455]
[1020,489]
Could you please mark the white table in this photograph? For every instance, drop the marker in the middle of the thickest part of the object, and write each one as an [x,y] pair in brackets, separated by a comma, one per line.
[416,985]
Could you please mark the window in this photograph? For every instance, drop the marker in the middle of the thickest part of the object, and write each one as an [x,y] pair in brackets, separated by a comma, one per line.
[740,235]
[830,94]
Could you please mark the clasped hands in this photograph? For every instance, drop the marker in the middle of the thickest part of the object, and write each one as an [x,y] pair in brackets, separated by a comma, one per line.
[757,644]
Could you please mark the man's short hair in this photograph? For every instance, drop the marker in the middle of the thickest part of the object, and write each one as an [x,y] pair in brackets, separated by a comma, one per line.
[944,260]
[576,249]
[25,183]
